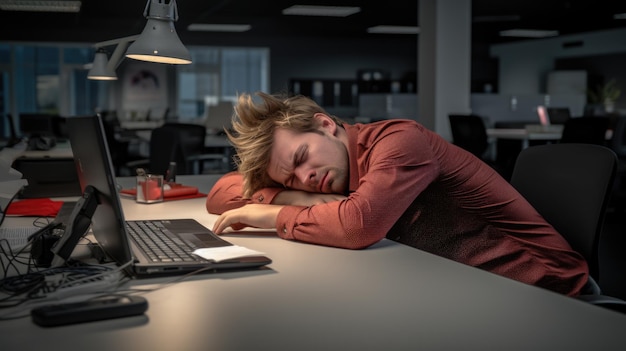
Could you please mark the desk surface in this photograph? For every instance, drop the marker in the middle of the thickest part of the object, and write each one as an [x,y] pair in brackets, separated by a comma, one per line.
[522,134]
[387,297]
[60,150]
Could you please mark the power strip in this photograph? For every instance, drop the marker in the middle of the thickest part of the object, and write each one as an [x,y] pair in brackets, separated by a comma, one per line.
[101,284]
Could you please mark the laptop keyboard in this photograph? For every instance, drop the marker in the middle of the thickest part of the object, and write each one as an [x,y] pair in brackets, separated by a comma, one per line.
[152,238]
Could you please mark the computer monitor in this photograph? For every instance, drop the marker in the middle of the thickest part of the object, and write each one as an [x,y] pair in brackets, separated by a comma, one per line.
[37,124]
[40,129]
[558,115]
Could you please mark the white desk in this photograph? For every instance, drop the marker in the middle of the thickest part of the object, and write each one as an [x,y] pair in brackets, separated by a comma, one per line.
[387,297]
[140,125]
[523,134]
[60,150]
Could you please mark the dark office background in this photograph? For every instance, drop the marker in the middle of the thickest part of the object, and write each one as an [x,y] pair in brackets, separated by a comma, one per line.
[319,49]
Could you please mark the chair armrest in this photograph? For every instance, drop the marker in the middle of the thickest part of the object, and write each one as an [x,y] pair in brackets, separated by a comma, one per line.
[605,301]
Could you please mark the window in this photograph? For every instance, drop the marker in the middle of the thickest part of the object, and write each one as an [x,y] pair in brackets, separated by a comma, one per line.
[52,78]
[220,74]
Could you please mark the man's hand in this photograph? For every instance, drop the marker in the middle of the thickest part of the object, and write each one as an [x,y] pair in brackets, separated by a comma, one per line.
[251,215]
[303,198]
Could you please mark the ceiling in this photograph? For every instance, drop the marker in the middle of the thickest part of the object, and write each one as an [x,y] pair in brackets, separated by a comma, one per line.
[101,20]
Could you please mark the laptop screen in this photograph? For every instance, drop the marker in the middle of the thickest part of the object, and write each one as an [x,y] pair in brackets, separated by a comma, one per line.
[558,115]
[543,116]
[95,168]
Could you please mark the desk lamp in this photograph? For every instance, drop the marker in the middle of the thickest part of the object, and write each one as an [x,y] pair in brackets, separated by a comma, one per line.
[103,68]
[159,41]
[100,69]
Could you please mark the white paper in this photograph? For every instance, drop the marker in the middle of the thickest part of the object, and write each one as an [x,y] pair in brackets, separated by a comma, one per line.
[7,156]
[7,172]
[11,181]
[222,253]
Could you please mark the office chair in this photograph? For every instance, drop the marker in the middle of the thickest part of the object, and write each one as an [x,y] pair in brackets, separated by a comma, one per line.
[183,140]
[586,129]
[569,185]
[118,148]
[469,132]
[173,142]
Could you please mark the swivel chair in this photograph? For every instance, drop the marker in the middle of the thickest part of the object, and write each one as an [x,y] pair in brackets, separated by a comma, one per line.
[585,129]
[569,185]
[173,142]
[469,132]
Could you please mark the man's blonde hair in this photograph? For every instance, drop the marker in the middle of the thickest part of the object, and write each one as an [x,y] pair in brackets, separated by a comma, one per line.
[253,132]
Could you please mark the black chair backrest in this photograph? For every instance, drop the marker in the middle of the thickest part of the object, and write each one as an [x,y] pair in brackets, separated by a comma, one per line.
[586,129]
[192,137]
[165,148]
[469,132]
[175,142]
[569,185]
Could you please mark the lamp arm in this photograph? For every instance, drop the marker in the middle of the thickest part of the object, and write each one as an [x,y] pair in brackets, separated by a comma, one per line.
[118,54]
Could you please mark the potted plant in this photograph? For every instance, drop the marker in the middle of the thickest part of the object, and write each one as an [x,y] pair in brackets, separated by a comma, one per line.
[605,95]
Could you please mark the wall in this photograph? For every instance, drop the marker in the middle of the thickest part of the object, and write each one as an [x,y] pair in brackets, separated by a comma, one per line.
[524,66]
[340,59]
[600,69]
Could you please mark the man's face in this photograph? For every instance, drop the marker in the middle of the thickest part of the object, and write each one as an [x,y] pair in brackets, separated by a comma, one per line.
[310,161]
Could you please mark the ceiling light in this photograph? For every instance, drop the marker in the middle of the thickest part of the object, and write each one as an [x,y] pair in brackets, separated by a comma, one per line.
[159,42]
[394,30]
[204,27]
[529,33]
[40,5]
[330,11]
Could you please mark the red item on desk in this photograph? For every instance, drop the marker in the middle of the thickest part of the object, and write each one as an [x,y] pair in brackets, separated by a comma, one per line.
[175,192]
[151,189]
[43,207]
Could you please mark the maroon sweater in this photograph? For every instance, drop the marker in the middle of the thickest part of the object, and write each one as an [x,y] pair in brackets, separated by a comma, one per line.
[410,185]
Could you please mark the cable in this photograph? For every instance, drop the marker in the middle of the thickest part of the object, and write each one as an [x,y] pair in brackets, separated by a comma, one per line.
[54,284]
[33,289]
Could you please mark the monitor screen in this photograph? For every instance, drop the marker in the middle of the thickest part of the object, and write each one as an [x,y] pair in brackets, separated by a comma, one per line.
[37,124]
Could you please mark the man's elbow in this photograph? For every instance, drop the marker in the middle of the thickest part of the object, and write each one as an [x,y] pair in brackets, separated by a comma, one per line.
[214,209]
[360,241]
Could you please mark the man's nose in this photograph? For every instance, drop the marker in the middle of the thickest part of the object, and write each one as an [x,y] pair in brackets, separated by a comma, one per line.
[306,176]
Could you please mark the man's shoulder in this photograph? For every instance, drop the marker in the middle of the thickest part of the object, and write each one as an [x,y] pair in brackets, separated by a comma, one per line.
[388,126]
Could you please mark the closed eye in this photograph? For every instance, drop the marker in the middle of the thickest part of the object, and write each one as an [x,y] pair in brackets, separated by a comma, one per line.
[300,155]
[298,158]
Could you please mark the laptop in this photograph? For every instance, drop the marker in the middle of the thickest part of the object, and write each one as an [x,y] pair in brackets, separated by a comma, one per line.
[112,231]
[544,123]
[558,115]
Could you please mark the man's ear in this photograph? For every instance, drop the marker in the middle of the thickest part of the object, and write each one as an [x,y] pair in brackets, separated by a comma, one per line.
[325,123]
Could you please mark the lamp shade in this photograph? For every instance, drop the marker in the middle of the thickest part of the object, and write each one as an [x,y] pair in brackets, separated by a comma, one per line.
[159,41]
[100,69]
